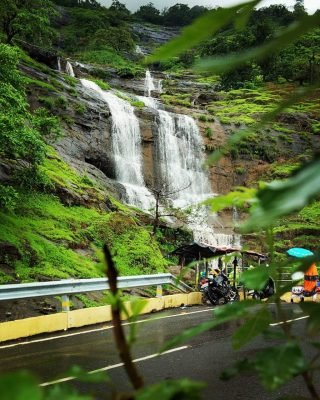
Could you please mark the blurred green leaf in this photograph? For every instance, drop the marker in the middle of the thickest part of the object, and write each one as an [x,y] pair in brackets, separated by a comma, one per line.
[253,326]
[241,134]
[227,63]
[281,198]
[238,198]
[256,278]
[20,385]
[137,305]
[79,373]
[64,392]
[316,345]
[203,28]
[172,390]
[221,315]
[237,368]
[231,143]
[278,364]
[313,310]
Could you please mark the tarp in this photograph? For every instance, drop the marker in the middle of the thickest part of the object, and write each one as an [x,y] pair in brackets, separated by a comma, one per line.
[299,252]
[196,251]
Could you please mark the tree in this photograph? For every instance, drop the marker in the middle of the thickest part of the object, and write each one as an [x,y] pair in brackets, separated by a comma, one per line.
[163,194]
[299,10]
[149,13]
[18,138]
[119,9]
[177,15]
[27,20]
[118,38]
[197,11]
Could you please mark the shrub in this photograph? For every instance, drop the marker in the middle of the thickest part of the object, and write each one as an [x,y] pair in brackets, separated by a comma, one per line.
[208,131]
[240,170]
[103,85]
[202,118]
[32,179]
[80,108]
[61,102]
[8,197]
[47,124]
[137,103]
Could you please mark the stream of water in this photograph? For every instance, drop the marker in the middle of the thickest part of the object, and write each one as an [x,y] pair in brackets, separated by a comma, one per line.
[126,147]
[180,159]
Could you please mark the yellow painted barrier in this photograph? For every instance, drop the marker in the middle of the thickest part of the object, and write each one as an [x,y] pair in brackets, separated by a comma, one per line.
[87,316]
[33,326]
[194,298]
[175,300]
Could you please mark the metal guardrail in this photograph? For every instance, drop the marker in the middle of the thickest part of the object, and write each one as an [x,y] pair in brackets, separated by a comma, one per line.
[76,286]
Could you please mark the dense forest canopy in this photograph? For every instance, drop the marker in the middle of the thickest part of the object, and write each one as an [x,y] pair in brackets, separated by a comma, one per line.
[86,26]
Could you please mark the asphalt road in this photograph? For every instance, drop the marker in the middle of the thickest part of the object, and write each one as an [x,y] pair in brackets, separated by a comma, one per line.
[203,358]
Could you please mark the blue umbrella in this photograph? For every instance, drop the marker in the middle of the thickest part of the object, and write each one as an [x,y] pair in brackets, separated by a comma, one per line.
[299,252]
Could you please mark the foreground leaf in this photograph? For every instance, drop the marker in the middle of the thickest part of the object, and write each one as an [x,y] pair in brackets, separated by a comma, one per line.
[280,198]
[203,28]
[64,392]
[19,386]
[256,278]
[237,368]
[313,322]
[255,325]
[238,198]
[80,374]
[276,365]
[172,390]
[241,134]
[227,63]
[222,314]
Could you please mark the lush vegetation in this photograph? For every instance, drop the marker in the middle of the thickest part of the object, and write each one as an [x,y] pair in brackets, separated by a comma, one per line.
[53,237]
[28,20]
[50,215]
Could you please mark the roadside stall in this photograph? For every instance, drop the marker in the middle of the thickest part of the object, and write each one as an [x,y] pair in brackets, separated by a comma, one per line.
[203,256]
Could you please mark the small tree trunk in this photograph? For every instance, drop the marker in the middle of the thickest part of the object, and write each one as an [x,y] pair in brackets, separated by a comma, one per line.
[156,218]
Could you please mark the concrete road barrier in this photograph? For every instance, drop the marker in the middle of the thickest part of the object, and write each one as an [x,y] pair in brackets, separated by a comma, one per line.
[87,316]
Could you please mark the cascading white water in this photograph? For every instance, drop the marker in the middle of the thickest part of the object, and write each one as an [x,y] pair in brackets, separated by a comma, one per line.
[179,152]
[126,147]
[180,160]
[69,69]
[148,84]
[59,64]
[139,50]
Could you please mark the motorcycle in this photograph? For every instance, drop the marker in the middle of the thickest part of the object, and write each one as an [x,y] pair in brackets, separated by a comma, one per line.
[217,290]
[264,293]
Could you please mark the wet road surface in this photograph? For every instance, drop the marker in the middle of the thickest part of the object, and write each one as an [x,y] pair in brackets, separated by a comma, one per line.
[202,358]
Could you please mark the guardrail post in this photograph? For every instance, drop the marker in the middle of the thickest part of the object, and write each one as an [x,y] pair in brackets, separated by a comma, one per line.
[159,291]
[65,303]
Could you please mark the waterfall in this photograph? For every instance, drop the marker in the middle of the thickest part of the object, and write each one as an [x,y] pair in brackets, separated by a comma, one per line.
[139,50]
[69,69]
[59,64]
[179,152]
[148,84]
[126,147]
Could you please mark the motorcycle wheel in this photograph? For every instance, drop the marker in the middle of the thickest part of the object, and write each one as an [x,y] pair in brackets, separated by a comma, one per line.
[214,300]
[221,301]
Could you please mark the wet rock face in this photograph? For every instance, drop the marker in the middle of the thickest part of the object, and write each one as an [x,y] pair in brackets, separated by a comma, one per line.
[149,36]
[87,145]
